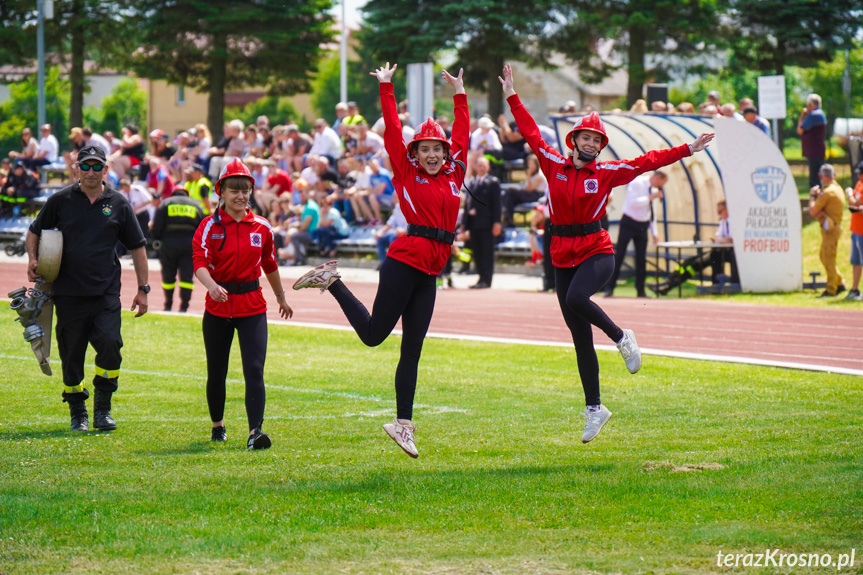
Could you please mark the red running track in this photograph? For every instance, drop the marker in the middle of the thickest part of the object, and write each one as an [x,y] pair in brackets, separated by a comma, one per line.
[809,338]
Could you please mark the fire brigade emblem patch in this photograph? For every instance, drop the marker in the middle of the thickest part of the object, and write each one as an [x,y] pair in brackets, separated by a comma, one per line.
[256,240]
[106,209]
[591,186]
[454,189]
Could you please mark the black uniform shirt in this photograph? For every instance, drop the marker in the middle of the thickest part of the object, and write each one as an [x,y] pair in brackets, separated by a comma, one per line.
[177,219]
[90,234]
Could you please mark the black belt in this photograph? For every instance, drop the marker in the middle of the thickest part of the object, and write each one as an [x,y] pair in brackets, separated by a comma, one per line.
[573,230]
[238,288]
[435,234]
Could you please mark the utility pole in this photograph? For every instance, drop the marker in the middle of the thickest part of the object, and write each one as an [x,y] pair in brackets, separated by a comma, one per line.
[343,64]
[40,55]
[45,11]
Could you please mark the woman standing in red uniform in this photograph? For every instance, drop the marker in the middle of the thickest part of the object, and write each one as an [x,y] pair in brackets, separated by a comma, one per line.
[581,251]
[427,176]
[230,249]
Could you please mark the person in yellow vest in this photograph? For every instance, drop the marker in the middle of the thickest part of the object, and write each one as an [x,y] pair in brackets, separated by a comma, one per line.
[174,226]
[199,187]
[827,203]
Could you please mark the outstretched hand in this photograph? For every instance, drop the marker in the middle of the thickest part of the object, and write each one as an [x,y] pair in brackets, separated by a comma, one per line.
[455,81]
[701,142]
[506,81]
[384,73]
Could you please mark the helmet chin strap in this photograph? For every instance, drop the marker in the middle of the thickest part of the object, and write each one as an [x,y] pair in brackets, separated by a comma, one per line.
[584,157]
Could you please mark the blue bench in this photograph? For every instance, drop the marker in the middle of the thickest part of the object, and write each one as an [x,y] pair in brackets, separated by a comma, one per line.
[13,229]
[516,243]
[361,239]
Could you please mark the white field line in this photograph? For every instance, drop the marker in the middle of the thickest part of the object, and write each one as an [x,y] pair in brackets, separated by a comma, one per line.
[612,348]
[427,409]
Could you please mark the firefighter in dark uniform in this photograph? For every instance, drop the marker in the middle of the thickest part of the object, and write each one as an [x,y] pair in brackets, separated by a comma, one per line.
[92,217]
[174,227]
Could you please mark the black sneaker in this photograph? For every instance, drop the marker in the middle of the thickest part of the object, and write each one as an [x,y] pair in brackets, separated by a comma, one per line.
[853,294]
[259,440]
[219,434]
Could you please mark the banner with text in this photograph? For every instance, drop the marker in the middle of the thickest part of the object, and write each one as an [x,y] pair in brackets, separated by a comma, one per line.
[763,208]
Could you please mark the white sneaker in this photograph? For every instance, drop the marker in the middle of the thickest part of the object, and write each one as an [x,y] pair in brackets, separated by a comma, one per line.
[321,277]
[593,422]
[403,435]
[628,348]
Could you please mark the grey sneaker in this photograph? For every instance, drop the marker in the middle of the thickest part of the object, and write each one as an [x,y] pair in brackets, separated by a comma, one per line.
[853,294]
[593,422]
[628,348]
[403,435]
[322,277]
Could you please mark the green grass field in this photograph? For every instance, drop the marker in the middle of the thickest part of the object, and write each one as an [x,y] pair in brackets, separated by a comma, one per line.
[503,483]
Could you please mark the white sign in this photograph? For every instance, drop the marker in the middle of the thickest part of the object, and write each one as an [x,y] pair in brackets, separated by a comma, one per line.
[763,208]
[771,97]
[420,92]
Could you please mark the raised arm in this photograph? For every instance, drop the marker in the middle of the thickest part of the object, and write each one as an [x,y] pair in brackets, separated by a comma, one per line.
[455,82]
[393,141]
[506,82]
[548,157]
[701,142]
[384,73]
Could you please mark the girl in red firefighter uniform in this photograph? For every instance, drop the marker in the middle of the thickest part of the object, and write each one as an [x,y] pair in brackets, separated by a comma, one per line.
[427,176]
[581,251]
[231,247]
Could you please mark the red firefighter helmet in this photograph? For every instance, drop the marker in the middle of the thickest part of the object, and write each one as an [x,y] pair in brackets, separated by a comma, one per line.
[429,130]
[235,167]
[591,123]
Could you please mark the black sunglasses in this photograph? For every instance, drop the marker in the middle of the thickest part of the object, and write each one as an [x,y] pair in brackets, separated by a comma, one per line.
[95,167]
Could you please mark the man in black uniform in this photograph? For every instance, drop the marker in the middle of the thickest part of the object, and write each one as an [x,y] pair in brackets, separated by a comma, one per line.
[174,227]
[92,217]
[482,222]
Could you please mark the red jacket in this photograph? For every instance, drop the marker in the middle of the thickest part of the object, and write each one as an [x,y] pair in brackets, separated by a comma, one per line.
[425,200]
[580,196]
[248,247]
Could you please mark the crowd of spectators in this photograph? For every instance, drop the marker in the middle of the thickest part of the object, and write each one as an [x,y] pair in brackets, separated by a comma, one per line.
[312,186]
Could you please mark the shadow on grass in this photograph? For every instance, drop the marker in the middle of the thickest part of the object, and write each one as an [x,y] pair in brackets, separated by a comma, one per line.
[195,448]
[41,434]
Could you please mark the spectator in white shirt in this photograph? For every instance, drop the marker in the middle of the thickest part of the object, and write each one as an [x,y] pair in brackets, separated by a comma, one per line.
[484,140]
[327,141]
[92,138]
[49,150]
[369,144]
[638,218]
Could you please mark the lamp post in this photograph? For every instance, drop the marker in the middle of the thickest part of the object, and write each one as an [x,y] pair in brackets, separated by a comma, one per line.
[45,11]
[40,54]
[343,63]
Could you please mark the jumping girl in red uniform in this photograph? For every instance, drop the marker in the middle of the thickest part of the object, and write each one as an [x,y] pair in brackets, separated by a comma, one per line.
[581,251]
[230,249]
[427,176]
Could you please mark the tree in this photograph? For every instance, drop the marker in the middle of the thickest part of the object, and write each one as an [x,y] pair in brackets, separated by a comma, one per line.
[278,109]
[770,35]
[20,110]
[215,45]
[638,28]
[17,43]
[362,88]
[97,31]
[126,104]
[483,33]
